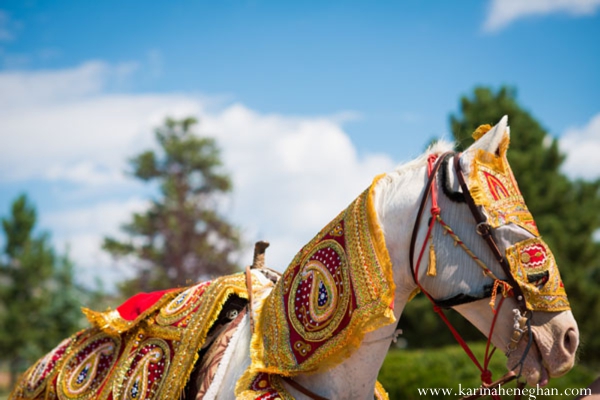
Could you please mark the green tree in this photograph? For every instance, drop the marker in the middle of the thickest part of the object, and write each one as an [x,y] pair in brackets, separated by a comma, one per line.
[38,299]
[565,210]
[181,237]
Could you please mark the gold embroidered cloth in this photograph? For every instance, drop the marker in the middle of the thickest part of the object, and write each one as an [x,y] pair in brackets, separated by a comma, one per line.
[149,357]
[337,288]
[494,188]
[263,386]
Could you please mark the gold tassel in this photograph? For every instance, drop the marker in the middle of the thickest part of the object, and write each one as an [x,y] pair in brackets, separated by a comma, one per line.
[431,270]
[480,131]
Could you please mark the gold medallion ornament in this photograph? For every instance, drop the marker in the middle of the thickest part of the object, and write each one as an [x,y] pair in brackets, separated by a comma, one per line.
[337,288]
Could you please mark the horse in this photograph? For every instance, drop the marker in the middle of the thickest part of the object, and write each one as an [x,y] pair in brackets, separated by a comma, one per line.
[453,226]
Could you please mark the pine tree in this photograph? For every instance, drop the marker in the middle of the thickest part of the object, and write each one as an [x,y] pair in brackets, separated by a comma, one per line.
[39,302]
[181,238]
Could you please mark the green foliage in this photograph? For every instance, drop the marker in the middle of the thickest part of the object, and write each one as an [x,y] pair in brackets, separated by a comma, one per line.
[39,303]
[566,212]
[405,371]
[181,237]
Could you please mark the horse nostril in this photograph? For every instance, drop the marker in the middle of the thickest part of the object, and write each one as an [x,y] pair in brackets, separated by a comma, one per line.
[571,341]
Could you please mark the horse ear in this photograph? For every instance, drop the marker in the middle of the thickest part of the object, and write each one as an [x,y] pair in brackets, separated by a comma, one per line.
[494,141]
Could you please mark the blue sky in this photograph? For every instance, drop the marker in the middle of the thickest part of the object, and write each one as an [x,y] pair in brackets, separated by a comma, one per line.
[367,83]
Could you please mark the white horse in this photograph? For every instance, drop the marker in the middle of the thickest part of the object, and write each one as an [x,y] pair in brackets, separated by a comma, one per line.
[397,198]
[433,203]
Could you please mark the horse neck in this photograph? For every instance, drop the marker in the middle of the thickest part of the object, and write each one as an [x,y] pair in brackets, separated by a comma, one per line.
[355,377]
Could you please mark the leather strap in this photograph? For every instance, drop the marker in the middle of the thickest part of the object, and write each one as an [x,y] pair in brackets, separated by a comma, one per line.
[424,199]
[484,230]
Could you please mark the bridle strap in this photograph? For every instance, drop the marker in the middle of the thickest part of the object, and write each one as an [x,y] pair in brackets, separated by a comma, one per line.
[484,230]
[424,199]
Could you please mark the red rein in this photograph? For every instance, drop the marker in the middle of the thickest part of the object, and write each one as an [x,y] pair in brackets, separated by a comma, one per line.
[486,374]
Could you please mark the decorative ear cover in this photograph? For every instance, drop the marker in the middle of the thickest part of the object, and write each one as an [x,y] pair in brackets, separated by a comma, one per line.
[494,188]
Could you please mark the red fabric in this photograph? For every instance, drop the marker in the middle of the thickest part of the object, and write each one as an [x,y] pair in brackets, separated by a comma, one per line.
[136,305]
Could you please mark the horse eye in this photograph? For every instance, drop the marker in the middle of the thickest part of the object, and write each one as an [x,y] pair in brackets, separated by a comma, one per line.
[538,279]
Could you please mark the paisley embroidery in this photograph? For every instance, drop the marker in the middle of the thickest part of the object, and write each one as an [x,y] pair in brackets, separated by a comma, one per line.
[337,288]
[182,305]
[88,367]
[144,371]
[321,292]
[135,358]
[38,375]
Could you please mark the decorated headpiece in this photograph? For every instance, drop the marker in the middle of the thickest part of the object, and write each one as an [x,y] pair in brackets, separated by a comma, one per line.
[494,188]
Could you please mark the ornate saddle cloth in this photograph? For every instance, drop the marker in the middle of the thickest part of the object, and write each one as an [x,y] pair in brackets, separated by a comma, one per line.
[145,349]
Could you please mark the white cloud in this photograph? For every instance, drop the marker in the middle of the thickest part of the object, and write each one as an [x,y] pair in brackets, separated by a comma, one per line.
[291,174]
[64,126]
[501,13]
[582,145]
[81,231]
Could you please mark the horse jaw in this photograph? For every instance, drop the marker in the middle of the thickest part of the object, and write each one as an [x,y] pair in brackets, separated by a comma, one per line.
[555,339]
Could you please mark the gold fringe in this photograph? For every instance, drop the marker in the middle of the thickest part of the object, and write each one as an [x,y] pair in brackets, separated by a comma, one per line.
[383,256]
[480,131]
[431,268]
[110,321]
[380,392]
[413,294]
[386,317]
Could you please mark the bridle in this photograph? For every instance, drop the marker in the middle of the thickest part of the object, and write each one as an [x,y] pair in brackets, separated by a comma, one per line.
[508,286]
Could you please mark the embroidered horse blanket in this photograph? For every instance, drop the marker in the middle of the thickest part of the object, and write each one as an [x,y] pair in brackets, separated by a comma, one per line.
[145,349]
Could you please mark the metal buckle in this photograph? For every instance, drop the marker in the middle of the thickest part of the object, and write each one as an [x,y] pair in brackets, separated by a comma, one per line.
[483,229]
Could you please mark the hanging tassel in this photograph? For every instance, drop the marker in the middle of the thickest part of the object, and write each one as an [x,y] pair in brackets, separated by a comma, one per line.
[431,268]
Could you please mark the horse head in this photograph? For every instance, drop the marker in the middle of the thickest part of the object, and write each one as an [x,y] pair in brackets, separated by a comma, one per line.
[476,249]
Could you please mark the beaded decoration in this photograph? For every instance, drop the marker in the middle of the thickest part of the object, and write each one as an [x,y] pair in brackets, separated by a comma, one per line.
[143,350]
[337,288]
[534,268]
[494,188]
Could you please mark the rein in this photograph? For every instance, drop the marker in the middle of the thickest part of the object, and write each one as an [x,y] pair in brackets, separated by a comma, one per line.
[509,287]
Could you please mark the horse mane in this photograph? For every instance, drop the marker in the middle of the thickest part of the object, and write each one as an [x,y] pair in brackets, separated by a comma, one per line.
[438,147]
